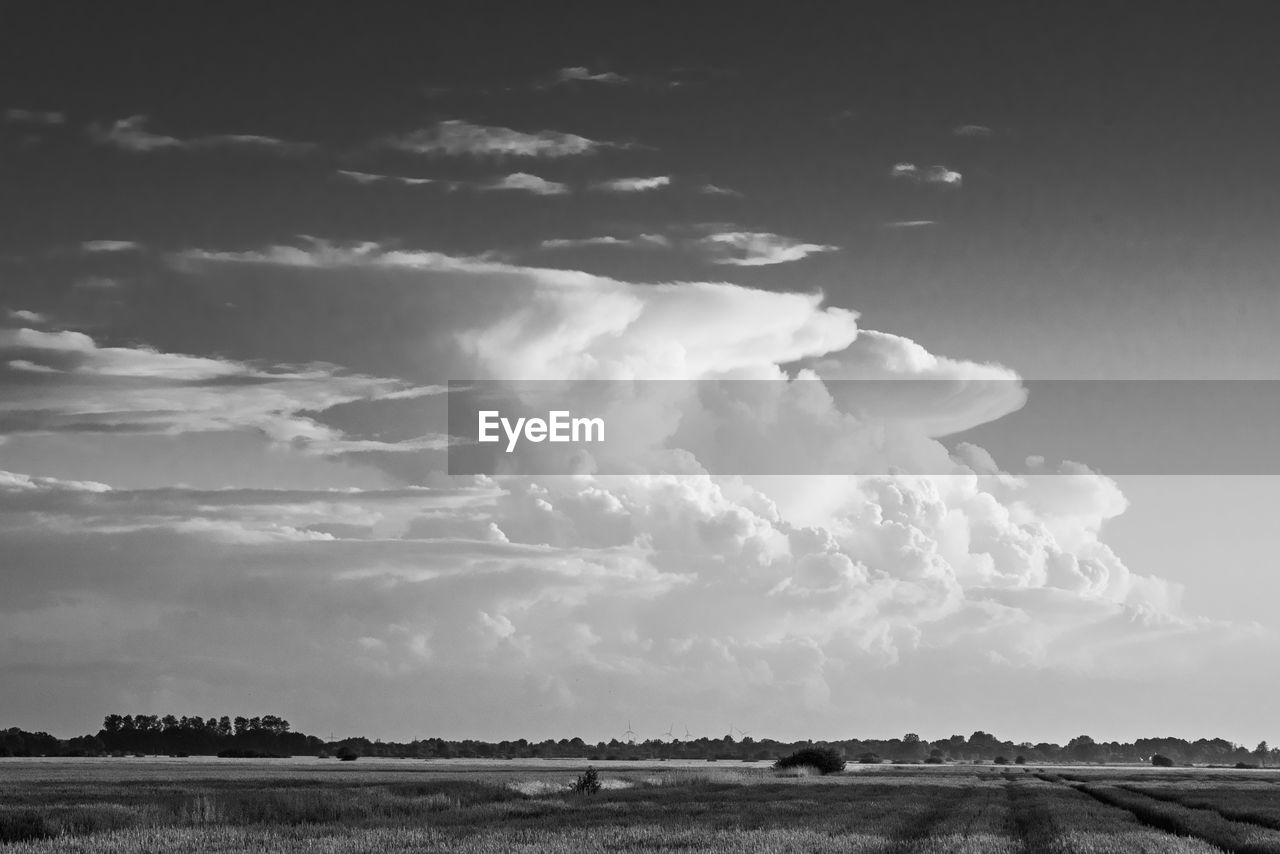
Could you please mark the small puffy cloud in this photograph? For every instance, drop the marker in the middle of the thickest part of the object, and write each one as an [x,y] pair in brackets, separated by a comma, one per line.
[756,248]
[26,316]
[649,241]
[458,137]
[972,130]
[109,246]
[930,175]
[632,185]
[375,178]
[34,117]
[526,183]
[717,190]
[132,134]
[578,73]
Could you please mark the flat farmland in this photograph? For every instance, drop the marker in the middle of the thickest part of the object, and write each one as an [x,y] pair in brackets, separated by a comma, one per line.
[220,805]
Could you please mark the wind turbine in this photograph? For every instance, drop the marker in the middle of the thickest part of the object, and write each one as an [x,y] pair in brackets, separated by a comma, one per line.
[630,734]
[669,734]
[687,735]
[744,733]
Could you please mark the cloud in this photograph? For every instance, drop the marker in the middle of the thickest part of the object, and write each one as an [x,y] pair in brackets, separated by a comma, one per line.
[458,137]
[110,246]
[85,387]
[765,594]
[910,223]
[649,241]
[374,178]
[931,175]
[972,130]
[526,183]
[34,117]
[131,134]
[26,316]
[716,190]
[633,185]
[580,74]
[756,248]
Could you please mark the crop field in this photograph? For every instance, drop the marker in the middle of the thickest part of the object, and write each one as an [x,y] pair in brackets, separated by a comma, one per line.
[190,805]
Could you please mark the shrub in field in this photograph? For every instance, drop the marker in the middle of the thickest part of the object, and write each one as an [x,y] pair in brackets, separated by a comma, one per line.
[1020,760]
[869,758]
[346,754]
[588,783]
[1161,761]
[1000,760]
[822,759]
[935,760]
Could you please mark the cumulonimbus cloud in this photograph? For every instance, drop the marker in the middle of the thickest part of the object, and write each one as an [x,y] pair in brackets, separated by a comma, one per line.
[132,134]
[459,137]
[762,593]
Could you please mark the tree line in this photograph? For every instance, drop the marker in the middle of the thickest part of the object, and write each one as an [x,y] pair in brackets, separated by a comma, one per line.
[270,735]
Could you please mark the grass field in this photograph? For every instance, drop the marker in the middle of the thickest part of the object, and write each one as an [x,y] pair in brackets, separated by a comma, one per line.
[141,805]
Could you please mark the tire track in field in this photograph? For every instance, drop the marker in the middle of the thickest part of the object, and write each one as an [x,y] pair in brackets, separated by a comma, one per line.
[1206,825]
[906,840]
[1228,813]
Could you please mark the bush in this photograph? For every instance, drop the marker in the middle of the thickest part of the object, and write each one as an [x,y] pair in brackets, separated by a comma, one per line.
[1161,761]
[869,758]
[822,759]
[588,783]
[1000,760]
[346,754]
[934,760]
[1020,760]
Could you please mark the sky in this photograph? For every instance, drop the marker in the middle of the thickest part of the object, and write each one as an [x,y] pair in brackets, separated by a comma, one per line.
[245,252]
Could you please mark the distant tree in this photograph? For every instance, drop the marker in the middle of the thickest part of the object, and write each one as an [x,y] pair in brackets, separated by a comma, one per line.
[1020,760]
[869,758]
[1000,760]
[1160,761]
[1261,751]
[346,754]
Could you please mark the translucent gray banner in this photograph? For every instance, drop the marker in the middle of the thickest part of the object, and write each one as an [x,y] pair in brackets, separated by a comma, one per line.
[810,426]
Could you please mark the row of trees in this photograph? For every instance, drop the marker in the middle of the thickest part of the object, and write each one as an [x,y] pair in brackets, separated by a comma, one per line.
[269,734]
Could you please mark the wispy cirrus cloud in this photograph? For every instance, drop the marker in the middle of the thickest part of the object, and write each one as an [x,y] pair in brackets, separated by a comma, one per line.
[910,223]
[645,241]
[34,117]
[632,185]
[928,175]
[110,246]
[525,183]
[132,134]
[376,178]
[457,137]
[75,385]
[756,248]
[972,130]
